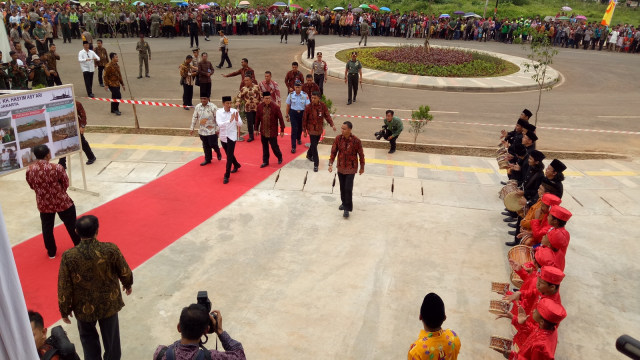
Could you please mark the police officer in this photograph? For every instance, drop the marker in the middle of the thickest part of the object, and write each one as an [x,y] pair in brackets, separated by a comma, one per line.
[353,75]
[144,55]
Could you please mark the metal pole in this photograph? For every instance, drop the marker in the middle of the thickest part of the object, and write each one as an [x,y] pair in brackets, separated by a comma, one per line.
[484,13]
[495,11]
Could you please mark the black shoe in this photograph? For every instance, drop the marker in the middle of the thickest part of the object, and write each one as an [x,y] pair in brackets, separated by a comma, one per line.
[293,151]
[101,85]
[91,95]
[229,67]
[309,158]
[147,76]
[512,233]
[226,180]
[280,161]
[341,207]
[345,214]
[91,161]
[264,165]
[354,99]
[235,170]
[512,243]
[512,225]
[206,162]
[503,182]
[117,112]
[392,151]
[219,157]
[348,102]
[250,140]
[509,219]
[506,213]
[315,169]
[139,77]
[299,142]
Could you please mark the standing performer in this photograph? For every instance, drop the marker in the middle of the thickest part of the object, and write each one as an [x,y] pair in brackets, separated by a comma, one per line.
[205,115]
[228,121]
[313,120]
[269,115]
[347,147]
[353,75]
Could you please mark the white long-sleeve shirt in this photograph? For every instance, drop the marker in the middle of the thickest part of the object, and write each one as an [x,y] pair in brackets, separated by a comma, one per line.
[228,128]
[86,59]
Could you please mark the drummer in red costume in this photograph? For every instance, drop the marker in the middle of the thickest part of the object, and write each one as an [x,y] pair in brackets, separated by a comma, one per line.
[541,344]
[547,200]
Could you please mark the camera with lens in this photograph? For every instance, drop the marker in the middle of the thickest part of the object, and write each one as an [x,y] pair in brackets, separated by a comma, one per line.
[203,299]
[381,133]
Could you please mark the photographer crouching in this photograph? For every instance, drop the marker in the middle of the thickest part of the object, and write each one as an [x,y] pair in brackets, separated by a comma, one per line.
[197,321]
[390,131]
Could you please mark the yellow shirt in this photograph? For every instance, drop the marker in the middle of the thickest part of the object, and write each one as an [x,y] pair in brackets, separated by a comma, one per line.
[439,345]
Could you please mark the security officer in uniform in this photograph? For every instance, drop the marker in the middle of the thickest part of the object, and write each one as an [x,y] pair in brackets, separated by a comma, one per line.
[144,55]
[353,75]
[155,25]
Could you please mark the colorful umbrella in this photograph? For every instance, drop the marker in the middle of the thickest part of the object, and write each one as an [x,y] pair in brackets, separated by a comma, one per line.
[137,3]
[183,4]
[566,8]
[295,6]
[581,17]
[356,10]
[363,6]
[244,3]
[373,7]
[384,8]
[338,8]
[563,18]
[459,12]
[213,4]
[279,3]
[444,16]
[203,7]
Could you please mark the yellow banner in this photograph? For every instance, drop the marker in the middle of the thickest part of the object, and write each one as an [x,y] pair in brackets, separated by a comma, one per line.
[606,19]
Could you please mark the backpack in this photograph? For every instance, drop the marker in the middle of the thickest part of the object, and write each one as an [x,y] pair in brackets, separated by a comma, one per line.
[170,352]
[61,345]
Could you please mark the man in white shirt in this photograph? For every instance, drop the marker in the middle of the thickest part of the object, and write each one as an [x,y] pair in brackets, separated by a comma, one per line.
[228,121]
[86,58]
[205,115]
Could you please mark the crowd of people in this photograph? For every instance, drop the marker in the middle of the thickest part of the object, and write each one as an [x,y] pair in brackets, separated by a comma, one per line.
[539,223]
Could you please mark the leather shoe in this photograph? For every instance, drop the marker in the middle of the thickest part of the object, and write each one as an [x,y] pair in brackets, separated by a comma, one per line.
[225,181]
[503,182]
[348,102]
[506,213]
[345,214]
[139,77]
[235,170]
[147,76]
[512,225]
[293,151]
[509,219]
[219,67]
[392,151]
[341,207]
[91,161]
[512,233]
[249,140]
[299,142]
[118,113]
[91,95]
[219,157]
[206,162]
[280,161]
[512,243]
[315,169]
[264,165]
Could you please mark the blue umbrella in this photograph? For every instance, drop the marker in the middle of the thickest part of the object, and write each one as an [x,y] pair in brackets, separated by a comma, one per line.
[444,16]
[213,4]
[136,3]
[384,8]
[279,3]
[183,4]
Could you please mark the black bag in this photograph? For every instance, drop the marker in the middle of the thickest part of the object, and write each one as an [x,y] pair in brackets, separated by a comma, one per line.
[61,345]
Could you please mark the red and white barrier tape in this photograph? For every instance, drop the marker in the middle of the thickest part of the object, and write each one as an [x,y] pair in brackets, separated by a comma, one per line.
[155,103]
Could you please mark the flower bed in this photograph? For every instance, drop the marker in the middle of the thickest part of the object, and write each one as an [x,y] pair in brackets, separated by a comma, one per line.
[439,62]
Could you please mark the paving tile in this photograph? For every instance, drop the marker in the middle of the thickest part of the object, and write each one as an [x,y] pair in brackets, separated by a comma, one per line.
[372,186]
[406,189]
[145,172]
[322,182]
[291,179]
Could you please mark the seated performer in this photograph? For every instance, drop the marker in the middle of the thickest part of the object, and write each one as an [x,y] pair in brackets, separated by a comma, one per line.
[539,211]
[557,238]
[554,173]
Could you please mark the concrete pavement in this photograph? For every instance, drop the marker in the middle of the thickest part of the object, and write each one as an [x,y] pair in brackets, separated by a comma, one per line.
[292,277]
[519,81]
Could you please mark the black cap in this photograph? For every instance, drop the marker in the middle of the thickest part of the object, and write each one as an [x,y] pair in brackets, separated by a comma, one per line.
[266,93]
[537,155]
[522,123]
[226,98]
[532,136]
[527,112]
[519,149]
[530,127]
[558,165]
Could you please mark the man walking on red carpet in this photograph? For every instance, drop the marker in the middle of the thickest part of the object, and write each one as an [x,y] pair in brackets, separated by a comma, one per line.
[347,148]
[229,121]
[269,115]
[50,182]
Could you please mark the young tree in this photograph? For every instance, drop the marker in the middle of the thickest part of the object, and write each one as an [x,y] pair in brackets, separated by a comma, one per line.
[419,120]
[541,53]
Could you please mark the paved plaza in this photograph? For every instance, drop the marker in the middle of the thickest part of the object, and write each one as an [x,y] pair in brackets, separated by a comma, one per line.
[293,279]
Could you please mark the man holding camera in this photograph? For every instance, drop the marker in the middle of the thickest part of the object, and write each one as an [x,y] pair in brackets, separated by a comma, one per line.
[195,323]
[391,129]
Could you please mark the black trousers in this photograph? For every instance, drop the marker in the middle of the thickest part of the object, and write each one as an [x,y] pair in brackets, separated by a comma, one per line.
[313,150]
[346,190]
[251,119]
[284,33]
[115,94]
[194,36]
[210,142]
[224,56]
[352,84]
[110,331]
[68,217]
[54,80]
[88,81]
[296,126]
[100,71]
[229,150]
[274,147]
[311,48]
[392,142]
[187,95]
[205,89]
[319,80]
[85,147]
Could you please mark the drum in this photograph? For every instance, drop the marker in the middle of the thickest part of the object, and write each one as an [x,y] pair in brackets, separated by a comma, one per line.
[498,307]
[503,162]
[520,254]
[512,202]
[500,288]
[500,344]
[502,150]
[512,185]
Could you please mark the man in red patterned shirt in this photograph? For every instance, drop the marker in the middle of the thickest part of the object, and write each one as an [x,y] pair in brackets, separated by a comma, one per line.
[50,182]
[347,148]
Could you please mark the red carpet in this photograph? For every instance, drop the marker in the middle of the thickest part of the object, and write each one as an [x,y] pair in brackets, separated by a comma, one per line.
[146,220]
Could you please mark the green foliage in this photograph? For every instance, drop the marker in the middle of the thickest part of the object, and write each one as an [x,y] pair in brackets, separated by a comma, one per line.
[329,103]
[482,65]
[541,53]
[419,120]
[517,40]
